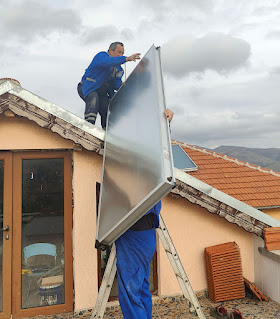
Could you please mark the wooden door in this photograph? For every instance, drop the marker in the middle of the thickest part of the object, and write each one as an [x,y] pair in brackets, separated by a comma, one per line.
[5,234]
[36,217]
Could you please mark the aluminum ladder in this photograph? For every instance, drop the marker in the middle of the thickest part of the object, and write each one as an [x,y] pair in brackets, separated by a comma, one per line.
[178,268]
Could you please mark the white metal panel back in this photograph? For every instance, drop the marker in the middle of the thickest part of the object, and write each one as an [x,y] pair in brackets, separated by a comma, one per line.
[137,164]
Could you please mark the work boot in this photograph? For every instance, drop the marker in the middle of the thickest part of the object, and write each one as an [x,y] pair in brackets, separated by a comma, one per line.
[236,314]
[219,312]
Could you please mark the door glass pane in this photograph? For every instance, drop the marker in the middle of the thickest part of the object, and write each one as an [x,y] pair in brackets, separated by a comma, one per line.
[1,233]
[42,232]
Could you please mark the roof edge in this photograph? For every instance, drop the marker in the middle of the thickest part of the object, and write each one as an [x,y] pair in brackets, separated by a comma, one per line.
[6,86]
[268,207]
[228,158]
[10,87]
[226,199]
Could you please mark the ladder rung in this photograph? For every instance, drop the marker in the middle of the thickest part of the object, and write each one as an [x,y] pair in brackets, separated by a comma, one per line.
[168,252]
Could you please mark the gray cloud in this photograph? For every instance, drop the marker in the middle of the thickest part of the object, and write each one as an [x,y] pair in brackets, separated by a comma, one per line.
[154,14]
[173,5]
[244,113]
[99,34]
[228,128]
[267,9]
[215,51]
[127,34]
[275,34]
[275,71]
[28,19]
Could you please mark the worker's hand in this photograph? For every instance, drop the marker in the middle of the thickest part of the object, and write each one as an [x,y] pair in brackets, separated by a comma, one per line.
[133,57]
[168,114]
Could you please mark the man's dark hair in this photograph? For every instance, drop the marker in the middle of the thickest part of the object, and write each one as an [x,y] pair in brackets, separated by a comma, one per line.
[114,45]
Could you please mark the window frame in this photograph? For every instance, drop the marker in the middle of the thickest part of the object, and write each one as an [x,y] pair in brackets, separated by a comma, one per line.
[17,311]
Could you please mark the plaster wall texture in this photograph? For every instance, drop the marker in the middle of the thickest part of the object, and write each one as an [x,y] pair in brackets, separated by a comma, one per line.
[87,171]
[192,229]
[273,212]
[23,134]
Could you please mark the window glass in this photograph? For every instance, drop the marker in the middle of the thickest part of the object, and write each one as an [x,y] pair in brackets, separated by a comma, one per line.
[42,232]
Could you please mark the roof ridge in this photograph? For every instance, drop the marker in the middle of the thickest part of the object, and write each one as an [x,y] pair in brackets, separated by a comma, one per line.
[228,158]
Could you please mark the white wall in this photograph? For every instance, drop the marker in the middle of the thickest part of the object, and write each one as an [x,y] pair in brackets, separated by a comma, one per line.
[267,272]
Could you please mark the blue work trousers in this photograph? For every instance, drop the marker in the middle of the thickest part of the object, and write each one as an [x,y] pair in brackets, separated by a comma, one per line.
[96,102]
[135,250]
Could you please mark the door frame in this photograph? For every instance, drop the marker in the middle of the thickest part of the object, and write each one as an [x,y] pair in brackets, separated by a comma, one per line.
[7,244]
[17,311]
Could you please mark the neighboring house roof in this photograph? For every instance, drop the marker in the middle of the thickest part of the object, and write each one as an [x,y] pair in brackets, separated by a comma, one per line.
[198,189]
[251,184]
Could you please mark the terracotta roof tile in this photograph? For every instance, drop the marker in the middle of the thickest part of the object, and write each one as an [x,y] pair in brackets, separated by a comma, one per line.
[254,185]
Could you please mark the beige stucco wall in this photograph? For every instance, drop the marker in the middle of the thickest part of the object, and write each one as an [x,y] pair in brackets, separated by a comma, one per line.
[192,229]
[87,171]
[273,212]
[22,134]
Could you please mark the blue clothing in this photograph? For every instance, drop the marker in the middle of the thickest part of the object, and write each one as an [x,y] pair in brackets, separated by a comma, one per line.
[135,251]
[96,102]
[101,79]
[103,68]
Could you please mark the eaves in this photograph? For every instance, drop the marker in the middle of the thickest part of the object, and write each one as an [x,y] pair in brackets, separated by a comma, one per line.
[50,116]
[221,204]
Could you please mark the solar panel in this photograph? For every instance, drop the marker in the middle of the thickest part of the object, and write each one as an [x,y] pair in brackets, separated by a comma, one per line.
[137,162]
[182,160]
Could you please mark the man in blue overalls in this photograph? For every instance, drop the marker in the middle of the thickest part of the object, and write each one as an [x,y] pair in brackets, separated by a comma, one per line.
[101,79]
[135,250]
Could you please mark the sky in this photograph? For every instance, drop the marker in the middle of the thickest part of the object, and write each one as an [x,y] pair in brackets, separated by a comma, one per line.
[220,58]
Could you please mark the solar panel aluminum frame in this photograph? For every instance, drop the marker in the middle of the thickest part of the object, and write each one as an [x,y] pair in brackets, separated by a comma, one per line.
[137,162]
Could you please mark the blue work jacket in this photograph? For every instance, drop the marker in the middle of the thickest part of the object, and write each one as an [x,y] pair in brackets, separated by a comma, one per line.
[103,68]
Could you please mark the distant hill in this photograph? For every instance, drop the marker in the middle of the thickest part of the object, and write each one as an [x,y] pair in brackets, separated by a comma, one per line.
[265,157]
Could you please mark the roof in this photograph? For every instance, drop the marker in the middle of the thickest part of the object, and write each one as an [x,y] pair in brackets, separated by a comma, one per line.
[48,115]
[200,187]
[251,184]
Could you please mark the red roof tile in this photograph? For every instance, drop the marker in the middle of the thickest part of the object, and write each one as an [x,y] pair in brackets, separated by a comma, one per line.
[254,185]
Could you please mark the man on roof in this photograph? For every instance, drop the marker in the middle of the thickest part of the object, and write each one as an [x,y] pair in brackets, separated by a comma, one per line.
[101,79]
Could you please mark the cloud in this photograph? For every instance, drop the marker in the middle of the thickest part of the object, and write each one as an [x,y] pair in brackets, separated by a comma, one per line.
[161,6]
[275,71]
[273,35]
[227,128]
[215,51]
[99,34]
[29,19]
[268,9]
[245,113]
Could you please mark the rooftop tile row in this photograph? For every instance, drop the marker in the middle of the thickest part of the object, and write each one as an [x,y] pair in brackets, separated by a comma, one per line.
[254,185]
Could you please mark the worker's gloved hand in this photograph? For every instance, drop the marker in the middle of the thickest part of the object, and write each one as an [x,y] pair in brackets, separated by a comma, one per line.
[133,57]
